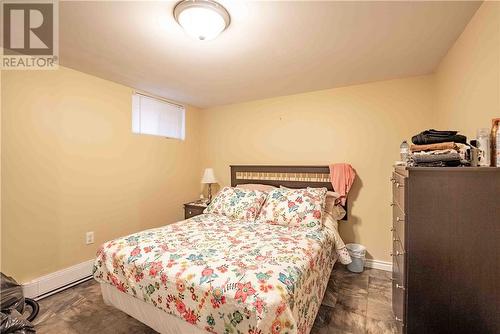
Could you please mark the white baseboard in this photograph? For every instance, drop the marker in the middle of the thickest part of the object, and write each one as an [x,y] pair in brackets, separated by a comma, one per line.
[47,285]
[376,264]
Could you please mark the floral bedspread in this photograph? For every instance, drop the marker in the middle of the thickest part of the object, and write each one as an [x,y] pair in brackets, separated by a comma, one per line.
[225,276]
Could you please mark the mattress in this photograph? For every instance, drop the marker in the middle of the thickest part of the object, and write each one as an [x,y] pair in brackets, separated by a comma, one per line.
[222,275]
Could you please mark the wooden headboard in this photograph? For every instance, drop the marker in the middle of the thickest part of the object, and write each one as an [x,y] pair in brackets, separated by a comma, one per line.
[287,176]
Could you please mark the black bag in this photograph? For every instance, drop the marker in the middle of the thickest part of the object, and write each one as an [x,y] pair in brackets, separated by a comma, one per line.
[12,295]
[15,324]
[434,136]
[12,303]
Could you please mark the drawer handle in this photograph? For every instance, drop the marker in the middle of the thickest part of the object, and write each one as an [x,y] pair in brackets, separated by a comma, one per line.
[392,179]
[399,219]
[392,204]
[398,253]
[393,229]
[400,286]
[398,185]
[190,212]
[395,239]
[397,319]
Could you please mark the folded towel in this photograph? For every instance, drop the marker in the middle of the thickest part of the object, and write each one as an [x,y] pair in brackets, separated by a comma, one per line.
[433,147]
[438,164]
[448,159]
[434,152]
[434,136]
[436,157]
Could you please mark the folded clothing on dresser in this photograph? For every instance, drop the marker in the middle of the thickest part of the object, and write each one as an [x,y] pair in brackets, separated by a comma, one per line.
[436,157]
[435,136]
[435,152]
[432,147]
[436,160]
[439,164]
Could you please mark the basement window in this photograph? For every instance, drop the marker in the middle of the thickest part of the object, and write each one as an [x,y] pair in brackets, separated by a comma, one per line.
[157,117]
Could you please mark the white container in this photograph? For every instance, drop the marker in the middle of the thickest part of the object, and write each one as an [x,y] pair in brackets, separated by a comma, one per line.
[483,143]
[404,151]
[357,253]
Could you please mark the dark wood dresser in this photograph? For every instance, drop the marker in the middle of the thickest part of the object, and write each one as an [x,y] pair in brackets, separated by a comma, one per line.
[446,224]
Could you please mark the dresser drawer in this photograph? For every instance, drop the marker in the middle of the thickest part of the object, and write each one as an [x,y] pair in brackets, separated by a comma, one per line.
[398,225]
[398,284]
[398,255]
[398,306]
[398,190]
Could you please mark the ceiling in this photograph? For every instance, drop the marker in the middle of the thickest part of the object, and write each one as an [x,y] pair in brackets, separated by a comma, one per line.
[270,49]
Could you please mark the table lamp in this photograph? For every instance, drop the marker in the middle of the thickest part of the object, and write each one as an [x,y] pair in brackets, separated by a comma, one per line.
[209,178]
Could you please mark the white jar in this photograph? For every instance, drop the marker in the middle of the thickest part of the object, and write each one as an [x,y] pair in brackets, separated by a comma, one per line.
[483,143]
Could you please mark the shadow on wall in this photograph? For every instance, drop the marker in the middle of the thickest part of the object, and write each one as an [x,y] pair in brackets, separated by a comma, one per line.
[348,234]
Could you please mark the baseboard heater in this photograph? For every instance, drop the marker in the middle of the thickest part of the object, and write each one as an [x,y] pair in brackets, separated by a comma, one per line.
[49,284]
[62,288]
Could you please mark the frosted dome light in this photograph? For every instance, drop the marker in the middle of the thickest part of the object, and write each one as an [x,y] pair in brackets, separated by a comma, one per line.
[202,19]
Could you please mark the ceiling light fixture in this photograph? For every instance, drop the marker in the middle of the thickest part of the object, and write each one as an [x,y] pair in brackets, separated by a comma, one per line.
[202,19]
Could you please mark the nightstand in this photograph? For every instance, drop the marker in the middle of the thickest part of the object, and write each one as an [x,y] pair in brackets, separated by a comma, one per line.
[192,209]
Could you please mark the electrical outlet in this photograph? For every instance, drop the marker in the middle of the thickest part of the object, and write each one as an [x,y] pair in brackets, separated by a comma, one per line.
[89,238]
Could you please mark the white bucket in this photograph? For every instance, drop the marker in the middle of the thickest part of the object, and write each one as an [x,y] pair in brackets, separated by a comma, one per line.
[357,253]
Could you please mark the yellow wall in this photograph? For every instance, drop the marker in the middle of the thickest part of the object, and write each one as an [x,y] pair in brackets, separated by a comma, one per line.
[468,78]
[70,164]
[362,125]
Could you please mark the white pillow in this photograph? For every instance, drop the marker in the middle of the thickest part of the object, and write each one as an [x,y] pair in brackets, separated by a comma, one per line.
[328,221]
[333,207]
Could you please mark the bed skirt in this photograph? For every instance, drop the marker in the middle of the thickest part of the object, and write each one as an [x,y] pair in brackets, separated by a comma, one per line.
[149,315]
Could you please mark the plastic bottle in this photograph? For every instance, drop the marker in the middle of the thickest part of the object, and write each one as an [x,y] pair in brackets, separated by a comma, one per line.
[483,143]
[404,150]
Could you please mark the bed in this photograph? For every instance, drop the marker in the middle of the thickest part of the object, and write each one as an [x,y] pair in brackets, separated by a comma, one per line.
[215,274]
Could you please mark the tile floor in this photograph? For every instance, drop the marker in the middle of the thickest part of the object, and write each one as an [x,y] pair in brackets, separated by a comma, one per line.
[353,303]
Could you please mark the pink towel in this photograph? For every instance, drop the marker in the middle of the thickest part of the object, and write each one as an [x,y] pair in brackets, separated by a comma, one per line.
[342,177]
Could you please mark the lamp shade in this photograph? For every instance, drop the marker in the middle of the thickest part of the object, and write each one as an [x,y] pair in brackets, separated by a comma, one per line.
[208,176]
